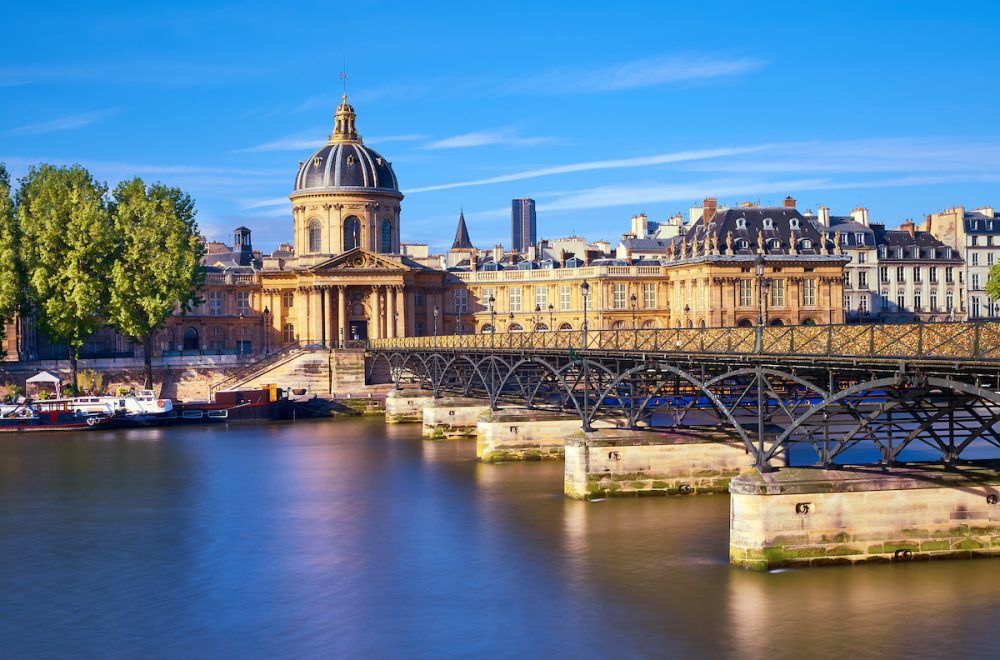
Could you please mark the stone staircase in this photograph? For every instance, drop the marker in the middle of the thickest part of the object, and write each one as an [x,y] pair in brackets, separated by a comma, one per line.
[319,371]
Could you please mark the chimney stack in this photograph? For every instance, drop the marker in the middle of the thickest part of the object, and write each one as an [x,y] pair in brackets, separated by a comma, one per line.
[498,253]
[708,212]
[824,216]
[860,215]
[789,202]
[909,228]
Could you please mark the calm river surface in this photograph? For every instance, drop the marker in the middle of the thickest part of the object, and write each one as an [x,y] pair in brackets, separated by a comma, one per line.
[353,539]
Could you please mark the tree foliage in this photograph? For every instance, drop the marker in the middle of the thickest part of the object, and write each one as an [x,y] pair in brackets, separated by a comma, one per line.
[11,274]
[157,264]
[993,282]
[67,246]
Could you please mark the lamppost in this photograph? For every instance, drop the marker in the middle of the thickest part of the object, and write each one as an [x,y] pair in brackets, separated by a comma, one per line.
[436,312]
[267,328]
[763,284]
[551,325]
[459,328]
[395,324]
[493,319]
[239,335]
[635,330]
[538,317]
[585,287]
[510,321]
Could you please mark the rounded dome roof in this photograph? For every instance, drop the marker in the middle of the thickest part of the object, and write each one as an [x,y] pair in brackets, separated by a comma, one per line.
[349,165]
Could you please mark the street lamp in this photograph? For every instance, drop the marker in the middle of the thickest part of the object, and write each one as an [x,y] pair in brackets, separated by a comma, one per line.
[267,327]
[538,317]
[436,312]
[635,330]
[585,287]
[493,319]
[551,325]
[510,320]
[395,324]
[239,341]
[763,284]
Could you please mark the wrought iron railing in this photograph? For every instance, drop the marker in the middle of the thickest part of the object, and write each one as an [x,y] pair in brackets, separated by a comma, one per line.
[923,341]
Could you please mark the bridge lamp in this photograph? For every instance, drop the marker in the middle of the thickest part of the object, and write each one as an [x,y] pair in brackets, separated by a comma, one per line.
[551,309]
[267,318]
[635,332]
[585,287]
[493,317]
[436,312]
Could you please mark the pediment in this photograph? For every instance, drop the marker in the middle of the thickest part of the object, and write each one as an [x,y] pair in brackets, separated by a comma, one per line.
[358,260]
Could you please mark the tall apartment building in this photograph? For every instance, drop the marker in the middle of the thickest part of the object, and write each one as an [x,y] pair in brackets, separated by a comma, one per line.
[976,237]
[920,278]
[854,235]
[522,224]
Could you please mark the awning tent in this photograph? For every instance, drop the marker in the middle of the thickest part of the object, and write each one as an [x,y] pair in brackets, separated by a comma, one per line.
[46,378]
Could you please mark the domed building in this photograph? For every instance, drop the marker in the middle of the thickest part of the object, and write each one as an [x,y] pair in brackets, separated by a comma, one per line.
[346,279]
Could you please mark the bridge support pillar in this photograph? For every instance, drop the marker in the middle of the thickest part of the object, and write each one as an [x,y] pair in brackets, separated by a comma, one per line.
[613,462]
[406,406]
[814,517]
[519,434]
[452,417]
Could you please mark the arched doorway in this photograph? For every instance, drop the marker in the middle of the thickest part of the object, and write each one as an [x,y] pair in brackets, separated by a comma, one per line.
[777,322]
[352,233]
[191,342]
[808,322]
[744,323]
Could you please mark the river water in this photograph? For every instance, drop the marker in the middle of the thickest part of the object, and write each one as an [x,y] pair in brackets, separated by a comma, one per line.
[353,539]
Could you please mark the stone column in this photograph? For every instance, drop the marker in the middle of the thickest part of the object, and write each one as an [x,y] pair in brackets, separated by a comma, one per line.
[374,331]
[302,315]
[390,312]
[321,312]
[331,319]
[342,315]
[401,308]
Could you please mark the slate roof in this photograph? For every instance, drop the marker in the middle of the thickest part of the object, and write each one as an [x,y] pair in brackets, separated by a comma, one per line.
[462,240]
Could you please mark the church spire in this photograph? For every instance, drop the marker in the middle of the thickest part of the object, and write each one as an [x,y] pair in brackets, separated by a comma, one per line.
[344,128]
[462,240]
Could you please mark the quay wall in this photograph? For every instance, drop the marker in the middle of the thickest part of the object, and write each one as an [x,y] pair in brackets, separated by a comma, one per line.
[815,517]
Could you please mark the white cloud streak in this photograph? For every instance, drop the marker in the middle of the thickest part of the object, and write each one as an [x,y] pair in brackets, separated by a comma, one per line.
[315,139]
[68,123]
[648,72]
[503,136]
[620,163]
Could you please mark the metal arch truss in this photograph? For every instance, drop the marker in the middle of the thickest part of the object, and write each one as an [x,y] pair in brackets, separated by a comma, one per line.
[831,408]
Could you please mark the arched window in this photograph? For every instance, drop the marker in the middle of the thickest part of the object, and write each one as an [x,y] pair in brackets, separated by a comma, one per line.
[618,325]
[742,244]
[288,333]
[744,323]
[565,326]
[774,244]
[808,322]
[541,327]
[805,244]
[487,328]
[288,299]
[315,236]
[386,237]
[793,223]
[768,223]
[515,327]
[352,233]
[648,325]
[777,322]
[191,340]
[741,223]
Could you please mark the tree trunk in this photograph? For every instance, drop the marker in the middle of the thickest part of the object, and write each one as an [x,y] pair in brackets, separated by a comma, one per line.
[147,351]
[73,354]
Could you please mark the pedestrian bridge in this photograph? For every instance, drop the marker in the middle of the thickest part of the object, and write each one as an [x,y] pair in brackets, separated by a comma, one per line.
[816,394]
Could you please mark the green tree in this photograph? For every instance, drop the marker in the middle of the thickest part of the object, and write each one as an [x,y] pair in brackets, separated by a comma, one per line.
[993,282]
[67,246]
[158,261]
[11,273]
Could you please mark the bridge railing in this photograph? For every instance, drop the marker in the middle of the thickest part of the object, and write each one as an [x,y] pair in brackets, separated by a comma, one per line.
[962,341]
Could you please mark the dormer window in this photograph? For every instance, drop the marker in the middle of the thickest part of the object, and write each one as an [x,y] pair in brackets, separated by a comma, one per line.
[774,244]
[859,238]
[793,223]
[947,253]
[805,244]
[882,251]
[741,223]
[742,244]
[899,253]
[768,223]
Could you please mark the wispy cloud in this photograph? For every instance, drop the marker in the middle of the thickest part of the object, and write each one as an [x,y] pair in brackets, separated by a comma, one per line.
[637,74]
[504,136]
[620,163]
[124,72]
[68,123]
[314,139]
[249,204]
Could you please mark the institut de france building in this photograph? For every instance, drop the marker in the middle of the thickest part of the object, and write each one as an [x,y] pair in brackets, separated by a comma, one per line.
[347,276]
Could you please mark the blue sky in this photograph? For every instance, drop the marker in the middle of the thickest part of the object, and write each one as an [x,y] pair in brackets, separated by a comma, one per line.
[598,112]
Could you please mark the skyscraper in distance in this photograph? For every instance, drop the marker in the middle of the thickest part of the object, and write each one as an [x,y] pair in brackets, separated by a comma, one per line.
[522,223]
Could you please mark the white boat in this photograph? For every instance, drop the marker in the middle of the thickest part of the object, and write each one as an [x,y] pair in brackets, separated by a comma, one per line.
[142,402]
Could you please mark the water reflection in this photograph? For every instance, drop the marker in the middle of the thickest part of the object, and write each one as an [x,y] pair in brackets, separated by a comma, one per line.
[346,539]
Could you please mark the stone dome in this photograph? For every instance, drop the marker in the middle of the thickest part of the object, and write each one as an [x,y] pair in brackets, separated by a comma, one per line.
[345,163]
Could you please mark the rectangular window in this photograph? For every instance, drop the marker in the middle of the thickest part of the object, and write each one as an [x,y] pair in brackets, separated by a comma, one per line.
[649,296]
[488,292]
[974,240]
[949,301]
[934,305]
[863,279]
[933,274]
[746,293]
[863,304]
[515,298]
[809,292]
[564,298]
[975,258]
[861,257]
[948,272]
[916,273]
[859,238]
[885,301]
[900,301]
[990,257]
[215,303]
[916,302]
[618,300]
[975,306]
[847,279]
[989,241]
[461,301]
[847,303]
[899,273]
[243,303]
[542,297]
[778,293]
[975,280]
[883,274]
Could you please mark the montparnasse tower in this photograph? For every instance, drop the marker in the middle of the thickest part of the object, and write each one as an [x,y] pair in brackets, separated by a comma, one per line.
[346,196]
